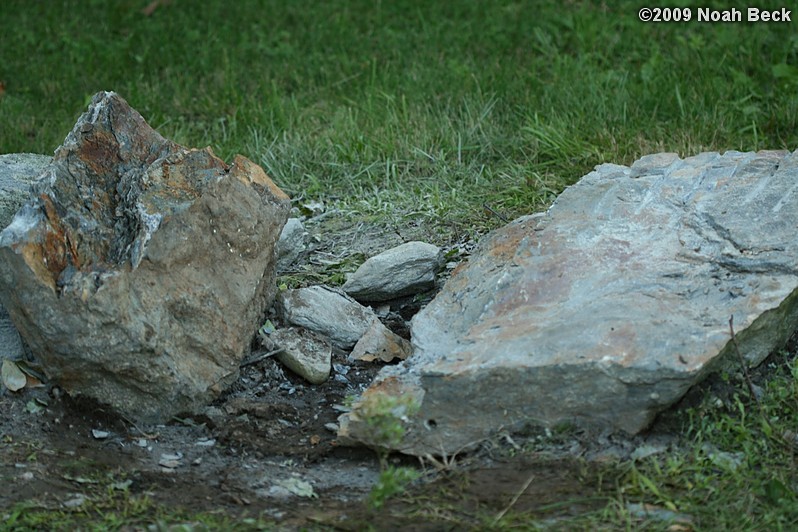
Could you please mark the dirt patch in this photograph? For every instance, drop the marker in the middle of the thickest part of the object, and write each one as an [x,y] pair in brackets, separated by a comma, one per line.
[241,458]
[268,439]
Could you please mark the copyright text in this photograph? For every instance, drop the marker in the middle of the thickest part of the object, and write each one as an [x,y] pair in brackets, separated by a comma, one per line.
[705,14]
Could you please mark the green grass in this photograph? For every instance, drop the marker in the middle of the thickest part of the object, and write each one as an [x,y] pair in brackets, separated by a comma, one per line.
[125,513]
[425,109]
[737,470]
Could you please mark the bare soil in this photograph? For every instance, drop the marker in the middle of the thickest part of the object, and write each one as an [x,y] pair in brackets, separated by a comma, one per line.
[256,448]
[241,460]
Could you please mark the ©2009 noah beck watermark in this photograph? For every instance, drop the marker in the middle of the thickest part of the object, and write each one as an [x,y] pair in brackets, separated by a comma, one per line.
[705,14]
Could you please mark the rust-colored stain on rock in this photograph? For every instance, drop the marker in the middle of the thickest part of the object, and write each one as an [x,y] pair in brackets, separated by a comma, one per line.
[58,250]
[249,172]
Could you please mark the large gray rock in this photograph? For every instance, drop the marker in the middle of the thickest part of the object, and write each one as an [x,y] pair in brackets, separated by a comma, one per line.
[608,308]
[17,172]
[401,271]
[140,271]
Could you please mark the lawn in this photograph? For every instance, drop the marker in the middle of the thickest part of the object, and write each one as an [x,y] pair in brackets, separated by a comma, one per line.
[406,106]
[407,109]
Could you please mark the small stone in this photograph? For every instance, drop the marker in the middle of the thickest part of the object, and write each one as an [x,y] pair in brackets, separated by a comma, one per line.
[291,244]
[312,208]
[325,311]
[401,271]
[644,451]
[723,459]
[170,460]
[293,486]
[380,343]
[304,353]
[121,485]
[99,434]
[75,500]
[650,512]
[11,376]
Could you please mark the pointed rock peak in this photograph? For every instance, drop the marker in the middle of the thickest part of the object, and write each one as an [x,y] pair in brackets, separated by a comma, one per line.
[140,269]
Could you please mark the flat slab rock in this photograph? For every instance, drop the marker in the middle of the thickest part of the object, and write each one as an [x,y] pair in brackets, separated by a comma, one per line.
[608,308]
[140,270]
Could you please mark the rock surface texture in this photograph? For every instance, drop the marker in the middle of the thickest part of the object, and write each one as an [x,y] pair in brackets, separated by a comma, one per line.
[139,272]
[291,243]
[17,172]
[605,310]
[325,311]
[380,343]
[401,271]
[304,353]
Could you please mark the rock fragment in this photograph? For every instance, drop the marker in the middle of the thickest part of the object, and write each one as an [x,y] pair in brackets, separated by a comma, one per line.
[401,271]
[327,312]
[304,353]
[291,243]
[606,310]
[139,272]
[380,343]
[11,345]
[18,171]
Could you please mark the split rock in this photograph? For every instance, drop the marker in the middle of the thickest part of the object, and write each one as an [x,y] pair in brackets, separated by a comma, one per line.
[304,353]
[606,310]
[401,271]
[328,312]
[139,272]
